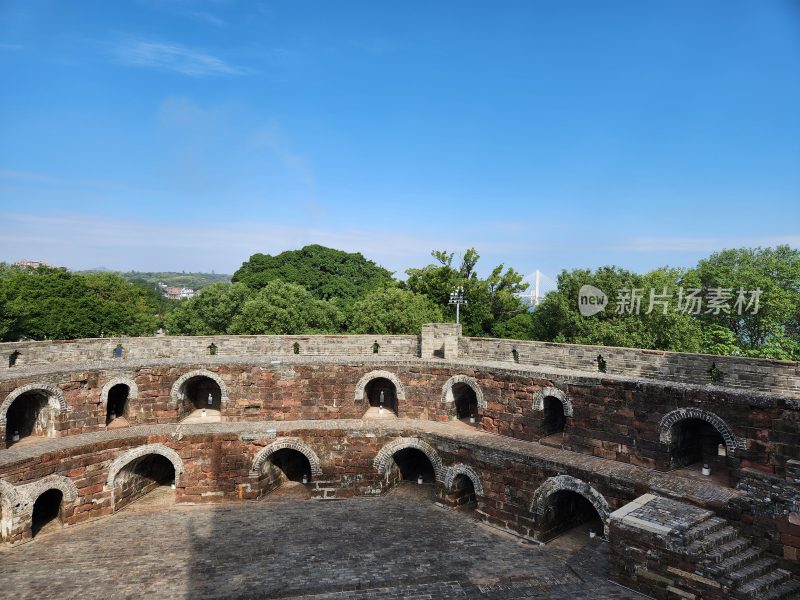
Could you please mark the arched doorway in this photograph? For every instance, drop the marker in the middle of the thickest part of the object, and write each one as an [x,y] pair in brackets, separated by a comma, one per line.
[381,392]
[46,511]
[203,392]
[466,403]
[409,459]
[292,464]
[31,414]
[286,473]
[462,494]
[409,464]
[200,398]
[696,443]
[142,476]
[568,511]
[553,417]
[117,406]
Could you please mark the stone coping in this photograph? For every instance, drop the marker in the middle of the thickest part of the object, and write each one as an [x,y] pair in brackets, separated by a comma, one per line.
[487,447]
[662,516]
[734,395]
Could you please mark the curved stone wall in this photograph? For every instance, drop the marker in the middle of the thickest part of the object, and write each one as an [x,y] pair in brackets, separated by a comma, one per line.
[616,441]
[616,419]
[223,461]
[761,375]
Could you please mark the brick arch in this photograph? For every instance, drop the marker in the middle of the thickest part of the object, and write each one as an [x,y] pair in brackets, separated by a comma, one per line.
[52,482]
[566,482]
[263,455]
[125,459]
[14,505]
[55,398]
[384,456]
[9,494]
[538,399]
[462,469]
[177,394]
[732,442]
[447,389]
[133,389]
[362,384]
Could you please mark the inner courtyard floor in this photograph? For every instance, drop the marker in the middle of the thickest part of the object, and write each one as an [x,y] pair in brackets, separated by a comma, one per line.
[397,546]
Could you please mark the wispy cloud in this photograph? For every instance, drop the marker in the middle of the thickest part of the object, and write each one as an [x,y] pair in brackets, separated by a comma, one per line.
[707,244]
[125,244]
[188,9]
[29,179]
[271,139]
[173,57]
[27,176]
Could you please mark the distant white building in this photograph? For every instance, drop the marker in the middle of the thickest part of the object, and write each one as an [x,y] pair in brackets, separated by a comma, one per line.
[177,293]
[33,264]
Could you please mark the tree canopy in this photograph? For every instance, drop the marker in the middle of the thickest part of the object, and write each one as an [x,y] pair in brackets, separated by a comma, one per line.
[392,310]
[751,295]
[209,313]
[286,308]
[758,313]
[48,303]
[493,303]
[325,272]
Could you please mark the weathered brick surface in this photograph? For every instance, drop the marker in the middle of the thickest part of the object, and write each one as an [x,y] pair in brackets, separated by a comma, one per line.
[218,458]
[736,372]
[667,549]
[81,352]
[612,418]
[379,548]
[615,443]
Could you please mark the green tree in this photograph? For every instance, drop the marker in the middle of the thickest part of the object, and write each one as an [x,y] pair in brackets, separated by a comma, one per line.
[773,329]
[325,272]
[392,311]
[285,308]
[48,303]
[209,313]
[493,305]
[558,319]
[122,308]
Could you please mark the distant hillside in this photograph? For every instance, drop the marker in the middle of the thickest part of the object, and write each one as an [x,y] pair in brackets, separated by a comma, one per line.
[190,280]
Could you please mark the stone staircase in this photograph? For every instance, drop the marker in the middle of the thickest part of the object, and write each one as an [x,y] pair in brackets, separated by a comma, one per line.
[737,564]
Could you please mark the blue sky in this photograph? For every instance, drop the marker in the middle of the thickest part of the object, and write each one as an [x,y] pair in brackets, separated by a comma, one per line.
[181,135]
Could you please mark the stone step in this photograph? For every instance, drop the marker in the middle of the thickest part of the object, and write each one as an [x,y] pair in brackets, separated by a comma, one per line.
[704,528]
[734,562]
[759,586]
[785,591]
[713,540]
[729,550]
[752,570]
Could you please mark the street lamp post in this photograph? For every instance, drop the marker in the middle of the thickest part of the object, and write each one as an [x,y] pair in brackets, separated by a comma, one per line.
[457,298]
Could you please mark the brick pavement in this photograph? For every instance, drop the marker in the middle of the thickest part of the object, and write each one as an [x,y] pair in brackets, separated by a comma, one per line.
[396,546]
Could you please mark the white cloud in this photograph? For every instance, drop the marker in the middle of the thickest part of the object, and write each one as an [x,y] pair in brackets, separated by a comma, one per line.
[84,241]
[173,57]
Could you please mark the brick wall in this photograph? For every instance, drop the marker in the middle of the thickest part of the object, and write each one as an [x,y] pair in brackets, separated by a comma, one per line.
[71,352]
[762,375]
[772,376]
[611,418]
